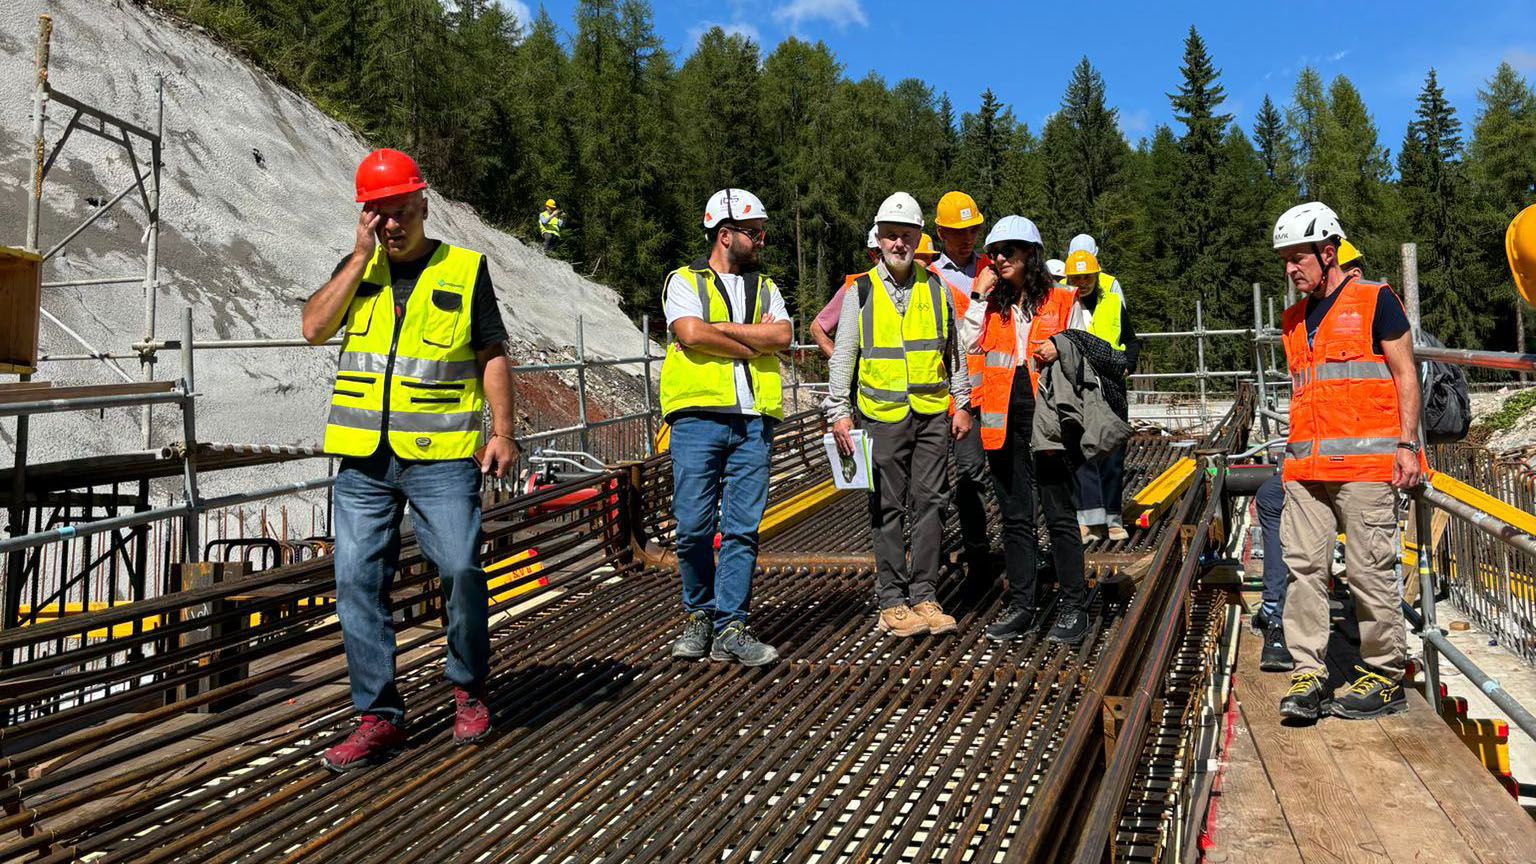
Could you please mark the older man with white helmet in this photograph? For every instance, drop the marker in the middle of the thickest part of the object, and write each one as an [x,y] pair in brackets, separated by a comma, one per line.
[1353,442]
[721,392]
[898,334]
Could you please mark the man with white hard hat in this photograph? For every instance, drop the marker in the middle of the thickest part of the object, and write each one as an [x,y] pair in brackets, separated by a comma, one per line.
[897,339]
[1353,443]
[721,393]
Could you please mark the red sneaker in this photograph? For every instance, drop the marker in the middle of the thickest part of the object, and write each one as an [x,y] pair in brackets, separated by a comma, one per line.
[471,718]
[374,740]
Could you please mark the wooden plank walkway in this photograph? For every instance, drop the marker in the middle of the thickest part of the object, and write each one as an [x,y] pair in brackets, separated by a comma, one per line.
[1399,789]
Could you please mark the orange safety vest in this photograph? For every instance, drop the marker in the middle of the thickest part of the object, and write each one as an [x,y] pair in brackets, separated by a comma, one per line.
[961,301]
[997,350]
[1344,418]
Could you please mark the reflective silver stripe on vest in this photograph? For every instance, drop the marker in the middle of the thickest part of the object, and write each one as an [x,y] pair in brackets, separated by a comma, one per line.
[1000,359]
[701,285]
[1356,446]
[1298,449]
[410,367]
[993,421]
[883,353]
[1361,369]
[975,380]
[880,395]
[923,344]
[355,418]
[459,421]
[936,387]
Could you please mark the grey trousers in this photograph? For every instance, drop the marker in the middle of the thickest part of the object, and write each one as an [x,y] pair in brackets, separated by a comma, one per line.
[910,465]
[1366,512]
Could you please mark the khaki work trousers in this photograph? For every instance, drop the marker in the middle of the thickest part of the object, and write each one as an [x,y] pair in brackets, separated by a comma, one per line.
[1313,516]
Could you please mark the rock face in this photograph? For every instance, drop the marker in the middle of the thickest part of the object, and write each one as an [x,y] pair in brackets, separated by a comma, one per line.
[256,209]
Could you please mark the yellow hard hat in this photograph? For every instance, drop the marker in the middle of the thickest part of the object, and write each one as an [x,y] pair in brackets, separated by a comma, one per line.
[1082,263]
[549,203]
[958,210]
[1348,254]
[925,247]
[1520,247]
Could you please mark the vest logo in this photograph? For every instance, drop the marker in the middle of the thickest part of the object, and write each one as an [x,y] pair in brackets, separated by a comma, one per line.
[423,442]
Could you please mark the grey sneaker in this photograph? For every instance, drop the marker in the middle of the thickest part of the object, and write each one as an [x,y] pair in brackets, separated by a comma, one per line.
[694,643]
[735,642]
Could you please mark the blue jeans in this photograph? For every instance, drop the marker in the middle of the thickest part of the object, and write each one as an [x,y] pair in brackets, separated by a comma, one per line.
[1101,486]
[370,498]
[1268,502]
[719,478]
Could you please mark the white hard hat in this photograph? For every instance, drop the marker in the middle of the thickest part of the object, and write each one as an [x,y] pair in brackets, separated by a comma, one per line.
[738,205]
[901,209]
[1312,222]
[873,240]
[1084,243]
[1015,228]
[1057,267]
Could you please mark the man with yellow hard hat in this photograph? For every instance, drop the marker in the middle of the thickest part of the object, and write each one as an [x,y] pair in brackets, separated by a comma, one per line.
[959,220]
[1520,248]
[1101,484]
[549,225]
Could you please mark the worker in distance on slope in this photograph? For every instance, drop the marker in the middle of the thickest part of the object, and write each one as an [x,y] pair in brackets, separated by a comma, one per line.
[550,222]
[423,352]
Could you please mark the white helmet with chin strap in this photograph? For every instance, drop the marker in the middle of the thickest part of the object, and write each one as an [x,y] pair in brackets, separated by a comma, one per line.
[1309,223]
[737,205]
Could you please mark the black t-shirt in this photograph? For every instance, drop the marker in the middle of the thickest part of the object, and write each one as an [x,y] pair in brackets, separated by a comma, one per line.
[1389,323]
[485,324]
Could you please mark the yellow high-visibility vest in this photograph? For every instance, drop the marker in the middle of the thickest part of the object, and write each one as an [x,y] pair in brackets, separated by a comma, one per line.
[694,379]
[901,356]
[1106,322]
[422,363]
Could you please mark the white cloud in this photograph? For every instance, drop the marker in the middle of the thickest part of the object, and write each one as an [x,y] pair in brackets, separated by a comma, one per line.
[1521,59]
[740,28]
[1339,55]
[838,13]
[519,10]
[1134,124]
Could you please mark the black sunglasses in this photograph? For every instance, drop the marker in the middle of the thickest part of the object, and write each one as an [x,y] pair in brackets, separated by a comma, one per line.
[1004,250]
[756,235]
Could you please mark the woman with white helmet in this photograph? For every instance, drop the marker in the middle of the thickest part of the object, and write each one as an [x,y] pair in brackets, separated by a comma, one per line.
[1022,310]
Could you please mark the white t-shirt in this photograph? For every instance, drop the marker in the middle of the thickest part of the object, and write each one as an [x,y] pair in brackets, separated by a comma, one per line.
[680,300]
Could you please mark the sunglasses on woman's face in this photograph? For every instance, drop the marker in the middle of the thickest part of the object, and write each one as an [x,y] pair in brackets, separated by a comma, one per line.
[1004,250]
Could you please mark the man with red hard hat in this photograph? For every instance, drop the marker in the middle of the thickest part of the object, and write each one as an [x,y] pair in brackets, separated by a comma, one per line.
[423,352]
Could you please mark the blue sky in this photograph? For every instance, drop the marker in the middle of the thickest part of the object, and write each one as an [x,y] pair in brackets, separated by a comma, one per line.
[965,47]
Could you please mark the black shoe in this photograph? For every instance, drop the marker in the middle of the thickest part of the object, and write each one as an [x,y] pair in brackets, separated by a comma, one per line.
[1307,697]
[1259,622]
[1370,696]
[735,642]
[1016,622]
[1275,657]
[698,632]
[1071,627]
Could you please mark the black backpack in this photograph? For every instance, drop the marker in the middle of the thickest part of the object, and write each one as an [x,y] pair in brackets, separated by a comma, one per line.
[1447,409]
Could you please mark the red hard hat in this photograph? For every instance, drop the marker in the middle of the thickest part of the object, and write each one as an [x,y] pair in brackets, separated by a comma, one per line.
[386,172]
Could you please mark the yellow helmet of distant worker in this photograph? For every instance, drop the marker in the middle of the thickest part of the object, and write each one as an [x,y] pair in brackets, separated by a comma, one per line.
[1348,254]
[550,203]
[1082,263]
[925,248]
[957,210]
[1520,248]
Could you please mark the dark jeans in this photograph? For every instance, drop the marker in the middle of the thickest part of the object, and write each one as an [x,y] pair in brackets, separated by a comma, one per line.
[1269,501]
[1016,472]
[910,467]
[370,499]
[719,479]
[970,488]
[1100,487]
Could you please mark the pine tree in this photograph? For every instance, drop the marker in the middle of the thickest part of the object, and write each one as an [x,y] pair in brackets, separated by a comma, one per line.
[1195,105]
[1096,144]
[716,93]
[1273,144]
[950,141]
[1501,168]
[1306,119]
[984,145]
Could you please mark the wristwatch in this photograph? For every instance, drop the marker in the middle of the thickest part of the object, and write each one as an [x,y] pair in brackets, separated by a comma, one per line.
[1408,445]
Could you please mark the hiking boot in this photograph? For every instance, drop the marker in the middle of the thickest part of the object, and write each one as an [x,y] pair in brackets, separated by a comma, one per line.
[1071,627]
[901,621]
[698,633]
[1370,696]
[1275,657]
[471,716]
[933,615]
[375,739]
[1118,532]
[1260,622]
[737,643]
[1307,698]
[1016,622]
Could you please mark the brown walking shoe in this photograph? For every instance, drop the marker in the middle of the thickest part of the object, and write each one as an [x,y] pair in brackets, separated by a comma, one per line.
[933,615]
[902,621]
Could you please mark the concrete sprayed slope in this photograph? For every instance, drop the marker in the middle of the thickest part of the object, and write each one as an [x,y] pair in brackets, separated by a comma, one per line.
[242,244]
